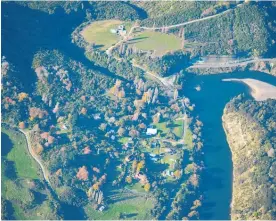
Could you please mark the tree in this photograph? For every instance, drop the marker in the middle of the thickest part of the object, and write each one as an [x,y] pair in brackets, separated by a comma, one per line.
[140,166]
[51,139]
[84,111]
[121,131]
[102,126]
[96,186]
[177,174]
[22,96]
[147,187]
[129,179]
[82,173]
[156,118]
[134,165]
[133,133]
[21,125]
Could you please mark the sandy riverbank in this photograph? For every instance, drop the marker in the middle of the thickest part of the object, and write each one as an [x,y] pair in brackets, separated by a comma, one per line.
[260,90]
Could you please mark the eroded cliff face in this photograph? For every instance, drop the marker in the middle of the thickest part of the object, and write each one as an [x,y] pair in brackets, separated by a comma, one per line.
[253,160]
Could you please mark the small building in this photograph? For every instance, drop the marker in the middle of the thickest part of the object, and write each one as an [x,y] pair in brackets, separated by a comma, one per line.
[151,131]
[101,208]
[97,116]
[113,31]
[121,27]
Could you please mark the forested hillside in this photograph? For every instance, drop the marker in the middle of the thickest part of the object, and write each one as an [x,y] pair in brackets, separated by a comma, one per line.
[250,128]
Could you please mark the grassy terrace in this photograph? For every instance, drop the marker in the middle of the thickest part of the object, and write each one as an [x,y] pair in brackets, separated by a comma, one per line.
[176,127]
[99,33]
[159,42]
[18,175]
[25,166]
[124,204]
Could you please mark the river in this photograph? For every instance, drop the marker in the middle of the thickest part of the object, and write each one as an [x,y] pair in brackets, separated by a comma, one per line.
[209,104]
[38,30]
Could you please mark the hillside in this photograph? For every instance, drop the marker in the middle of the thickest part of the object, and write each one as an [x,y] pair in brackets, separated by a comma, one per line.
[250,129]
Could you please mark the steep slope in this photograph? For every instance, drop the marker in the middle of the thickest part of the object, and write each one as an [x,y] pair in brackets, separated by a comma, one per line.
[250,130]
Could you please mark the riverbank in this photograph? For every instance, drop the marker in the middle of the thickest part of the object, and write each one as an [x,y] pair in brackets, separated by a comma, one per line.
[260,91]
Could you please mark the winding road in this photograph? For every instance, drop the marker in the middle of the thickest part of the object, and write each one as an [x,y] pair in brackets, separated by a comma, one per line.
[126,38]
[35,157]
[189,22]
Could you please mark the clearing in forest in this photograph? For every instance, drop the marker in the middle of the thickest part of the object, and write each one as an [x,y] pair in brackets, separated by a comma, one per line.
[103,33]
[161,43]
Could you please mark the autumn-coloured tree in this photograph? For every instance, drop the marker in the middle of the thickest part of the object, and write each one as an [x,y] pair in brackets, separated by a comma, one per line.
[156,118]
[140,166]
[96,186]
[142,126]
[133,133]
[44,135]
[129,179]
[39,149]
[37,112]
[177,174]
[51,139]
[121,131]
[122,93]
[21,125]
[147,187]
[87,150]
[22,96]
[83,173]
[194,180]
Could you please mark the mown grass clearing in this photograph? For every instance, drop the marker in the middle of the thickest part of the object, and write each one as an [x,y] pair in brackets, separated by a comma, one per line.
[176,127]
[99,33]
[178,130]
[18,180]
[188,139]
[159,42]
[25,166]
[126,206]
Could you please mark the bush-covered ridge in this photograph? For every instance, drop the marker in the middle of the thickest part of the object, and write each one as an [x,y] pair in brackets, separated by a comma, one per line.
[250,129]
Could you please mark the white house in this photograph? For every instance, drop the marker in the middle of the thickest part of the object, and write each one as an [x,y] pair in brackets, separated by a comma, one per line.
[151,131]
[101,208]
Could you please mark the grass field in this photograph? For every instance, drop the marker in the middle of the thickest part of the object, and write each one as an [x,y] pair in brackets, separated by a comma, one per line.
[160,42]
[25,166]
[126,206]
[17,190]
[177,128]
[188,139]
[99,33]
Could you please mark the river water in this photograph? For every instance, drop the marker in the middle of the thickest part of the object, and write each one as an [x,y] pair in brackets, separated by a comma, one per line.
[24,31]
[209,105]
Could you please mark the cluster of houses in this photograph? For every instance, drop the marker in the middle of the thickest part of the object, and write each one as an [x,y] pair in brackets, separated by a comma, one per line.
[120,30]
